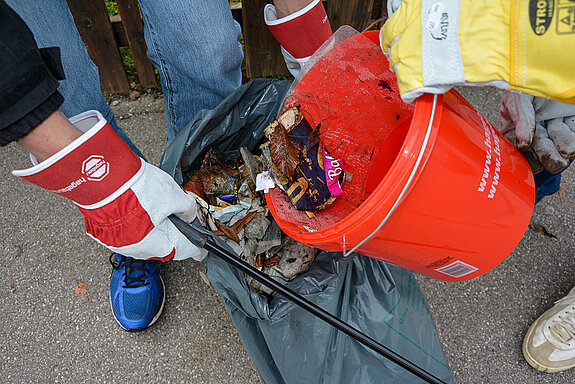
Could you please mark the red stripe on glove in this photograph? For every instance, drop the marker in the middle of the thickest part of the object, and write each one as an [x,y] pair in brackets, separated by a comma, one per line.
[166,258]
[302,35]
[132,223]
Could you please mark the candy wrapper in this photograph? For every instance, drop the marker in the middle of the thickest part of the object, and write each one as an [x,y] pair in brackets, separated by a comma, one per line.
[300,164]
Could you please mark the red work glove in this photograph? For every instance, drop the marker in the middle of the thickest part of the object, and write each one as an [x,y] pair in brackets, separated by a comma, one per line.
[125,201]
[299,34]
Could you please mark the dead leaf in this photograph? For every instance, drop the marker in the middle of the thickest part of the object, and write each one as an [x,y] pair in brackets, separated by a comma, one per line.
[230,233]
[239,225]
[284,153]
[81,288]
[562,191]
[272,261]
[195,185]
[204,278]
[541,229]
[18,252]
[218,233]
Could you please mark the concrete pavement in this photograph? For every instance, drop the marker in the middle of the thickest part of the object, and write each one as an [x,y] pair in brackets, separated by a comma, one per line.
[49,335]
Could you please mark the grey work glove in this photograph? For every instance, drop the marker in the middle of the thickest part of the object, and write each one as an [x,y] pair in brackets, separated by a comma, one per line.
[392,6]
[543,130]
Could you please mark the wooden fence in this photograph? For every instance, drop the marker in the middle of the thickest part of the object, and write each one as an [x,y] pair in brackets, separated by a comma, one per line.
[103,35]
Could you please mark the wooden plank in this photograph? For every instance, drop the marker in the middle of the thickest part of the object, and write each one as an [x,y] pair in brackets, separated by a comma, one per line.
[134,29]
[262,51]
[356,13]
[379,11]
[94,26]
[237,13]
[119,32]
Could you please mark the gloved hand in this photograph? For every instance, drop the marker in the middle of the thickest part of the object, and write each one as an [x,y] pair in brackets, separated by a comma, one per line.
[434,45]
[299,34]
[125,201]
[543,130]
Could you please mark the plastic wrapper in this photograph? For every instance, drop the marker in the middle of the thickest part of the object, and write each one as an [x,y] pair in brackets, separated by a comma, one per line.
[300,164]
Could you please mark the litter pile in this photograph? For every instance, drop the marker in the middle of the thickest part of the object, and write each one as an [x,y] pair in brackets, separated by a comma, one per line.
[233,206]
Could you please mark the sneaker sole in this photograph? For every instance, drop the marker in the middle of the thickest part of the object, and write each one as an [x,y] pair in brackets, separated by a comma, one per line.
[153,320]
[531,360]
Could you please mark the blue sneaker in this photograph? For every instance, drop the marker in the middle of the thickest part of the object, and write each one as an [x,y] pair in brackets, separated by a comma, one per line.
[137,292]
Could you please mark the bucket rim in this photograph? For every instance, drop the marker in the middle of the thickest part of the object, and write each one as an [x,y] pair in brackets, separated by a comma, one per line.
[407,167]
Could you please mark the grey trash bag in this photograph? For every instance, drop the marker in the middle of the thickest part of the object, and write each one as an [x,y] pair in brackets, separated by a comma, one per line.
[286,343]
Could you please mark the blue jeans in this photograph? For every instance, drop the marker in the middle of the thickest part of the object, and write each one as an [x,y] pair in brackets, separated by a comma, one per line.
[546,184]
[194,44]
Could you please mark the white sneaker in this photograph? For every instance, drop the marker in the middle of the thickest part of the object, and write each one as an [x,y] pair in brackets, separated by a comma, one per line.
[549,344]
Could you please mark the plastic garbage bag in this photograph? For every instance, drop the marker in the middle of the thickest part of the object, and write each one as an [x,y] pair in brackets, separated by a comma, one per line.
[286,343]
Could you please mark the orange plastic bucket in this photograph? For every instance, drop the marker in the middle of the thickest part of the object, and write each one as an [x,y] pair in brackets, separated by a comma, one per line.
[434,187]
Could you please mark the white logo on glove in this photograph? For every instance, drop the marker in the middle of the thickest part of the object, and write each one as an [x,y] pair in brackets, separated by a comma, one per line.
[95,168]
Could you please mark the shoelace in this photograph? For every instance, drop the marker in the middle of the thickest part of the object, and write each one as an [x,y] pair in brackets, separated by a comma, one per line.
[134,272]
[563,328]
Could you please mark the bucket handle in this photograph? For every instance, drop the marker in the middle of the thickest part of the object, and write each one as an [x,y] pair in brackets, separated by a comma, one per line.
[409,180]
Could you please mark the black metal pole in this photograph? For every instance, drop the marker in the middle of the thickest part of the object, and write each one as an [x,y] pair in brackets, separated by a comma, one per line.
[312,308]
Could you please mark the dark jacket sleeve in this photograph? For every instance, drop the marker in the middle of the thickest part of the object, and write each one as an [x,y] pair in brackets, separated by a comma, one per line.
[28,78]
